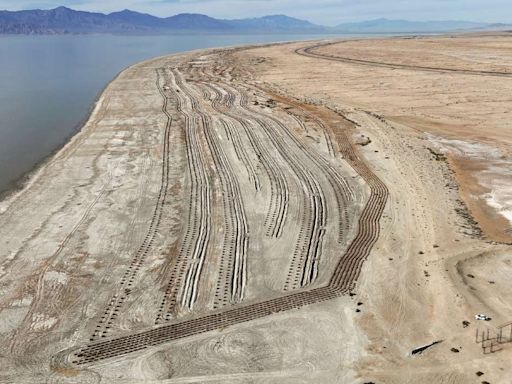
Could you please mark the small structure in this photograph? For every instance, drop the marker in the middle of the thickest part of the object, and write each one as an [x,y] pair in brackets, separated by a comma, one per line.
[492,341]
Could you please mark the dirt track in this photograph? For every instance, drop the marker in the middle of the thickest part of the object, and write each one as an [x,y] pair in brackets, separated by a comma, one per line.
[311,52]
[218,220]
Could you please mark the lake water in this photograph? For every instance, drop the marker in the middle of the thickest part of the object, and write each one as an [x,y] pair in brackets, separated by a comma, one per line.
[49,83]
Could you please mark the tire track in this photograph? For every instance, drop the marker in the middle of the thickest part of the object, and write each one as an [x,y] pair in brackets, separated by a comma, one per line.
[127,282]
[304,264]
[308,51]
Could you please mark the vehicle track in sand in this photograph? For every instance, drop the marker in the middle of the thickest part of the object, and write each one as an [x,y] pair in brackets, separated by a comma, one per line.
[196,241]
[127,282]
[346,271]
[344,195]
[309,52]
[278,207]
[233,268]
[304,268]
[314,215]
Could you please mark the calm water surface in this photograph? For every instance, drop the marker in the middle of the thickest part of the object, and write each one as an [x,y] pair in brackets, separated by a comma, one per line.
[48,84]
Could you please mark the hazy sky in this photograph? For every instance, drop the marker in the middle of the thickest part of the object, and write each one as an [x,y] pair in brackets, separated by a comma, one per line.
[327,12]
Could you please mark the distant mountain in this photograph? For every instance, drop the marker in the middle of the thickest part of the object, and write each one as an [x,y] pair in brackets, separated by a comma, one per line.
[275,23]
[499,27]
[140,20]
[63,20]
[55,21]
[403,26]
[196,22]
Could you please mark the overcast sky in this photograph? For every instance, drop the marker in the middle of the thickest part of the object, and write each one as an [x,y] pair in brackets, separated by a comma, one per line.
[327,12]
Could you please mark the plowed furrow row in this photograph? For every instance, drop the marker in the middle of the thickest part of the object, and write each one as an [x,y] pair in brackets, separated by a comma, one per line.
[305,260]
[196,240]
[296,156]
[233,267]
[304,264]
[162,334]
[349,267]
[278,207]
[343,192]
[233,135]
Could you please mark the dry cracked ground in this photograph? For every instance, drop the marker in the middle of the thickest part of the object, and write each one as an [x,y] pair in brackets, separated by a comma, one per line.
[314,212]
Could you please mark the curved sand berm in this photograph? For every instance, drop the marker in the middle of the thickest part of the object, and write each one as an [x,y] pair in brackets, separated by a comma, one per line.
[216,220]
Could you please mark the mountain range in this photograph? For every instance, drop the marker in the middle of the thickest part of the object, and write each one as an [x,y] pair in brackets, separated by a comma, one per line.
[63,20]
[394,26]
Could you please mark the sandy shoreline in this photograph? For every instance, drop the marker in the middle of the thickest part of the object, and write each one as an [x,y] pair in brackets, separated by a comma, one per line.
[17,185]
[23,181]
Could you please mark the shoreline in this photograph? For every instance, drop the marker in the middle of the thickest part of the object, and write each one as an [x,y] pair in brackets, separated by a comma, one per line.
[19,184]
